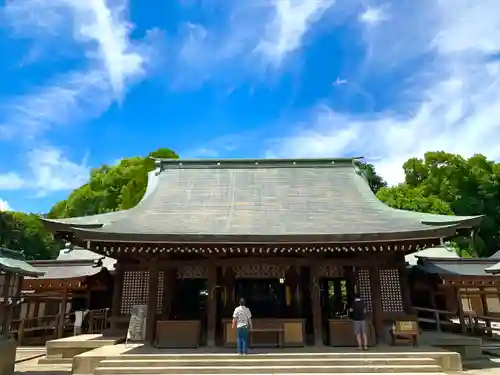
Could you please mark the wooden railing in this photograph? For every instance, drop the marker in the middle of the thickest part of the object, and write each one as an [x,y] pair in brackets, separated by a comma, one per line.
[96,321]
[436,317]
[475,325]
[47,324]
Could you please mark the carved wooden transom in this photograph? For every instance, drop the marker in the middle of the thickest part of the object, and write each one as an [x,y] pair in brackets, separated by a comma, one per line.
[259,271]
[364,287]
[135,290]
[331,271]
[390,290]
[192,272]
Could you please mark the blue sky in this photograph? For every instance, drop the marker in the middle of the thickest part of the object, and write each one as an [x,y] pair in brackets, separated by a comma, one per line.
[85,83]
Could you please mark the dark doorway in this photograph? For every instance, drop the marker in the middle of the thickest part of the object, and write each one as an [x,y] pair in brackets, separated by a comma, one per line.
[265,297]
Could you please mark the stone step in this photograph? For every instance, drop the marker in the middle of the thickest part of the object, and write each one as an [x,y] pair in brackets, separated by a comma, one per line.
[244,370]
[280,356]
[55,361]
[252,361]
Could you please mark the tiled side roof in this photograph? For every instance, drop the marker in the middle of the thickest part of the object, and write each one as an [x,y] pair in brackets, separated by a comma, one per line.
[434,252]
[79,254]
[266,198]
[13,261]
[457,267]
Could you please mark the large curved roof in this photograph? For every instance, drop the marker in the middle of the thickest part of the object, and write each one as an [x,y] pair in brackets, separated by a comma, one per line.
[252,200]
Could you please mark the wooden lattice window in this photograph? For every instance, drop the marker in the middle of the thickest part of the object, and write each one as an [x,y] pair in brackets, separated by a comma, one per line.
[364,287]
[135,290]
[390,290]
[160,294]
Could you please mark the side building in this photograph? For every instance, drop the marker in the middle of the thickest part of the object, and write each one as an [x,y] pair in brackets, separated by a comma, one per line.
[466,288]
[297,238]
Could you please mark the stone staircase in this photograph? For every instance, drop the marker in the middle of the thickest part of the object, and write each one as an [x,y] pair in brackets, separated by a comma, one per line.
[267,364]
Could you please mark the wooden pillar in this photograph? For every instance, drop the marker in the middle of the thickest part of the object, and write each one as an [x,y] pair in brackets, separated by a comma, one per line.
[117,293]
[4,306]
[315,291]
[152,303]
[211,304]
[62,313]
[292,282]
[87,299]
[170,275]
[405,291]
[378,312]
[460,310]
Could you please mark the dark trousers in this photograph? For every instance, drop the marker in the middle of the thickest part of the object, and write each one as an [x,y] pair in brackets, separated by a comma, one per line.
[242,339]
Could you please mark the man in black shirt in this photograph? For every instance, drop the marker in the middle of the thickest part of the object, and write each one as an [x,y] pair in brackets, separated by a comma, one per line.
[358,315]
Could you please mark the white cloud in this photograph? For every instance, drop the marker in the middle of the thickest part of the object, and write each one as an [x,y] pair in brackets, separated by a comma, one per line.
[52,171]
[373,15]
[291,21]
[101,30]
[11,181]
[47,170]
[4,205]
[258,34]
[63,102]
[454,99]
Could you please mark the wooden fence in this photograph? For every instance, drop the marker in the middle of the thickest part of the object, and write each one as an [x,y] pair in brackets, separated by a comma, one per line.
[50,326]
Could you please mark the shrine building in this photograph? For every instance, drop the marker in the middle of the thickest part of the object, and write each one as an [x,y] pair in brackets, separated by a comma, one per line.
[297,238]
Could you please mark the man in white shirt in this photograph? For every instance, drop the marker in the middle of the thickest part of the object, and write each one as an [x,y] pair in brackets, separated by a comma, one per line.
[242,321]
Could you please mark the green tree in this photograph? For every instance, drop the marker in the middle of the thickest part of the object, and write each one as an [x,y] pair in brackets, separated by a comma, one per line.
[468,186]
[375,181]
[111,188]
[409,198]
[25,232]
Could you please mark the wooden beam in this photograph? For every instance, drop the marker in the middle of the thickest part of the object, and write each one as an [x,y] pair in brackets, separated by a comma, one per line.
[359,262]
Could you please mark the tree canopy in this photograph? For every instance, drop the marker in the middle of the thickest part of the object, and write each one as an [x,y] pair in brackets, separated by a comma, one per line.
[25,232]
[111,188]
[446,183]
[439,183]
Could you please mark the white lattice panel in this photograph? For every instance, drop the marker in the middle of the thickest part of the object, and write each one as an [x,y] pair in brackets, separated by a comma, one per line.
[364,287]
[390,290]
[161,292]
[135,290]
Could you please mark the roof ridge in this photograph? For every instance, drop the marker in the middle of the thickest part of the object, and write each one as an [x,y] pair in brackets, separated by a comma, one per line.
[255,162]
